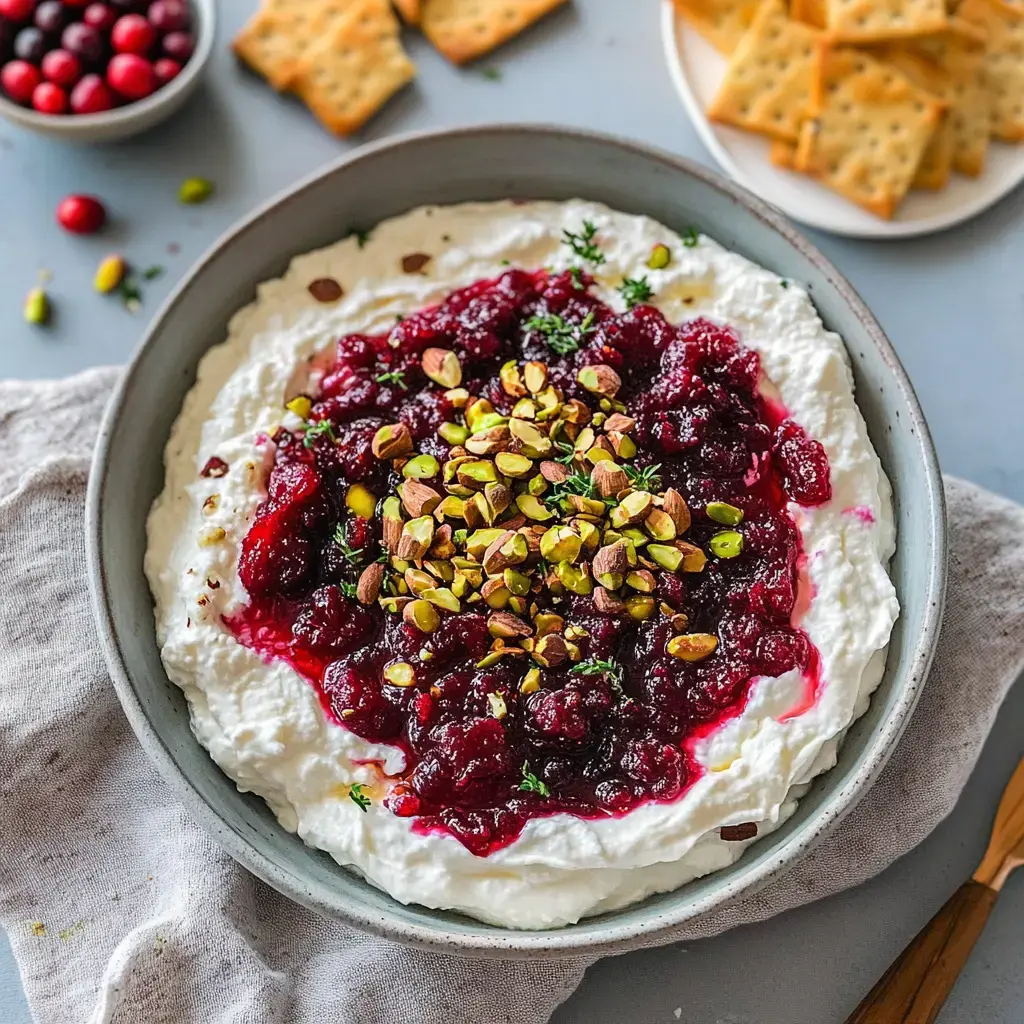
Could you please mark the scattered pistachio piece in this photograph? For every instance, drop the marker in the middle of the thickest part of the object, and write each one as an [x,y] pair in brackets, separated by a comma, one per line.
[400,673]
[37,307]
[442,366]
[195,190]
[724,513]
[692,646]
[726,543]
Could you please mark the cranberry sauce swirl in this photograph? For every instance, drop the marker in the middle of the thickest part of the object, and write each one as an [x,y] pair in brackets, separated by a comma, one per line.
[491,742]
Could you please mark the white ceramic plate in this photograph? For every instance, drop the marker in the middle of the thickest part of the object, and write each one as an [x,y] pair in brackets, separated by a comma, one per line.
[697,69]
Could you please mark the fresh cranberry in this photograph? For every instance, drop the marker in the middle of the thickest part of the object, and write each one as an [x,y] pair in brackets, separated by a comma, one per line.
[30,45]
[19,79]
[84,41]
[61,68]
[75,3]
[91,96]
[17,10]
[50,17]
[166,70]
[178,46]
[132,33]
[169,16]
[81,215]
[100,17]
[48,98]
[131,76]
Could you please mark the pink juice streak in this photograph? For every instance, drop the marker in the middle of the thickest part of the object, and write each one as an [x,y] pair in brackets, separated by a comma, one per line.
[861,512]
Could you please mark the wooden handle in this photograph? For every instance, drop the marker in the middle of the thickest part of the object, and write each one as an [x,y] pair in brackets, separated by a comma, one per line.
[915,987]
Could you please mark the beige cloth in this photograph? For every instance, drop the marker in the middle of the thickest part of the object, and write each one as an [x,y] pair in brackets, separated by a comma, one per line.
[121,910]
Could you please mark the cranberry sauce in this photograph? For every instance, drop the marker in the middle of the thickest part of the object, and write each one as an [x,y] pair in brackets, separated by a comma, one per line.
[495,733]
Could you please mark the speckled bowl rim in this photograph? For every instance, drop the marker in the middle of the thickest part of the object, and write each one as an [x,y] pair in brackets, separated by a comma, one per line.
[606,936]
[120,122]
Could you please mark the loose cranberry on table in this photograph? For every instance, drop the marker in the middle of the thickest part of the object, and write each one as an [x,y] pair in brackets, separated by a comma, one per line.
[62,68]
[18,79]
[81,215]
[132,33]
[131,76]
[91,96]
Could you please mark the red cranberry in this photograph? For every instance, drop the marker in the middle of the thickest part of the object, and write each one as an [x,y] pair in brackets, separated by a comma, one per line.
[75,3]
[100,17]
[178,46]
[19,79]
[84,42]
[91,96]
[132,34]
[48,98]
[166,69]
[81,215]
[50,16]
[131,75]
[17,10]
[30,45]
[169,15]
[61,67]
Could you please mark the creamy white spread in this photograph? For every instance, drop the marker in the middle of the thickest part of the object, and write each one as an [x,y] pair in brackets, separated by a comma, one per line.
[263,723]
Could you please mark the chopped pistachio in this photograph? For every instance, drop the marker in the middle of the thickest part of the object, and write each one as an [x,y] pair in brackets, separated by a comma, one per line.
[692,646]
[574,578]
[531,681]
[422,467]
[560,544]
[498,708]
[640,607]
[533,508]
[660,257]
[510,464]
[518,583]
[360,500]
[421,614]
[726,543]
[401,673]
[659,525]
[453,433]
[667,557]
[301,406]
[724,513]
[443,598]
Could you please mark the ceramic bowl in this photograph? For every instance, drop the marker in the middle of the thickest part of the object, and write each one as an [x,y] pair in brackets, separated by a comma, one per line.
[133,118]
[489,163]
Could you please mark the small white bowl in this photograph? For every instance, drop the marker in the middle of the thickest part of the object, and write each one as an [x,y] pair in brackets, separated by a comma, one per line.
[133,118]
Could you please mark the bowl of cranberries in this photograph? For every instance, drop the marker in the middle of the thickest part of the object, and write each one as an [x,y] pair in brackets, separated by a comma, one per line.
[98,70]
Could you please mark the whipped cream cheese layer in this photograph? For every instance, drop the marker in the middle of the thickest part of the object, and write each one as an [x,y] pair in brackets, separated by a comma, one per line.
[263,723]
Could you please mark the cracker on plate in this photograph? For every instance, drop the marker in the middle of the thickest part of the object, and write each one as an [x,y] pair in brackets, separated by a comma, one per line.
[937,160]
[868,129]
[466,29]
[960,52]
[354,69]
[872,21]
[721,22]
[1003,23]
[410,10]
[767,85]
[277,36]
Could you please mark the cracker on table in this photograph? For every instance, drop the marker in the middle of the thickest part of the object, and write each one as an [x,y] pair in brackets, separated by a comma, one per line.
[871,21]
[767,85]
[868,129]
[274,41]
[810,12]
[466,29]
[937,160]
[722,23]
[410,10]
[1003,23]
[355,69]
[960,52]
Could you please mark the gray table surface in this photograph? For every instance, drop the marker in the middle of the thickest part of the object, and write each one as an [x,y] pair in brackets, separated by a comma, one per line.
[953,305]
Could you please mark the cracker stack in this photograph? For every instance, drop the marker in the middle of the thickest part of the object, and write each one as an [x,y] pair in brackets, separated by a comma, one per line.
[870,97]
[344,58]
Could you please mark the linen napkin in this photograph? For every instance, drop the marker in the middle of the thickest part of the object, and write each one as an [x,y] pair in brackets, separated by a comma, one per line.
[120,909]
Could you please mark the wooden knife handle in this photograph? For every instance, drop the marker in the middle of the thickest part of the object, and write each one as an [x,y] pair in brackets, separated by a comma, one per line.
[915,987]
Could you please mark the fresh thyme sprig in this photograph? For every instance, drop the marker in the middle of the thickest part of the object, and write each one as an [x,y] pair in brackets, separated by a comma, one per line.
[568,453]
[351,555]
[646,479]
[691,238]
[319,429]
[582,243]
[348,589]
[531,784]
[576,273]
[600,667]
[358,797]
[561,336]
[393,377]
[635,290]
